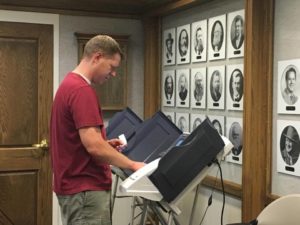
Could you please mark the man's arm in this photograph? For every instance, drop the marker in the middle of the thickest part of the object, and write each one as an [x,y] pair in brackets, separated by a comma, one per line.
[103,152]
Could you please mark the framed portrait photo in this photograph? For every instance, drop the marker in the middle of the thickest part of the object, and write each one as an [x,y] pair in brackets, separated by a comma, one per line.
[170,115]
[183,44]
[236,34]
[217,37]
[216,87]
[183,88]
[183,121]
[234,132]
[288,147]
[169,43]
[198,88]
[195,120]
[288,91]
[235,87]
[199,41]
[168,88]
[218,122]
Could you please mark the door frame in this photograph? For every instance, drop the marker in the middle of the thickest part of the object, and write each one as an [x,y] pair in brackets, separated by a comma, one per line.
[41,18]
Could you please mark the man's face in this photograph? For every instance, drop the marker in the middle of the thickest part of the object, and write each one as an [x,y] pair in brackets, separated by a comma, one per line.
[198,80]
[182,82]
[105,67]
[169,85]
[169,45]
[288,144]
[236,84]
[238,28]
[291,81]
[216,83]
[199,35]
[235,136]
[183,40]
[217,34]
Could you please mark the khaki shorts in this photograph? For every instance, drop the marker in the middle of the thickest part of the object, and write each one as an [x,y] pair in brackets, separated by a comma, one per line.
[85,208]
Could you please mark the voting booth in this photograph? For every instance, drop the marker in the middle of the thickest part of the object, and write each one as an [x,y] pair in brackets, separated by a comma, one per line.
[176,162]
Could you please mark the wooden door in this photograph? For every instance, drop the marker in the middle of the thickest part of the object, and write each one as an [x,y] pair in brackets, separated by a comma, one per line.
[26,86]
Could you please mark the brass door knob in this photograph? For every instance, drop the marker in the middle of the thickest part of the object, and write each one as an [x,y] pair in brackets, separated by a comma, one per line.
[42,145]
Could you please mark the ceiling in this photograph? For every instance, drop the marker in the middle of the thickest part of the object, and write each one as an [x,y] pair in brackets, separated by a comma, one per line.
[133,8]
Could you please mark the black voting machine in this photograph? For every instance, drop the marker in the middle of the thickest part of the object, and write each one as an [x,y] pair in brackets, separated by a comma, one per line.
[182,156]
[145,140]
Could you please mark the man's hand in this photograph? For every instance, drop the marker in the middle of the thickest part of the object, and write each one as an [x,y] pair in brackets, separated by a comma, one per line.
[117,144]
[137,165]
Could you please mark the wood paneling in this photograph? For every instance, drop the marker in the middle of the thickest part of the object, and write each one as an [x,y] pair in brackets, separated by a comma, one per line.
[106,8]
[26,86]
[152,65]
[257,106]
[18,102]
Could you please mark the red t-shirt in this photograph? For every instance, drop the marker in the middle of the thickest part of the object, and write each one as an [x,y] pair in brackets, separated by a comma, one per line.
[75,106]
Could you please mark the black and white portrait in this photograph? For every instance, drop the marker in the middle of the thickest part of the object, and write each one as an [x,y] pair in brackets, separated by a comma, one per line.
[183,44]
[182,121]
[217,34]
[235,135]
[199,40]
[288,147]
[170,116]
[216,87]
[219,123]
[198,88]
[183,88]
[236,34]
[288,86]
[168,88]
[196,120]
[169,47]
[235,83]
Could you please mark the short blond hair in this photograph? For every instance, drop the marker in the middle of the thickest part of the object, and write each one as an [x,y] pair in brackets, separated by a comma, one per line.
[104,44]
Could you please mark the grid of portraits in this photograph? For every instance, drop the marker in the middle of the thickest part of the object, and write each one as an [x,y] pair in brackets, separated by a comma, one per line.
[193,88]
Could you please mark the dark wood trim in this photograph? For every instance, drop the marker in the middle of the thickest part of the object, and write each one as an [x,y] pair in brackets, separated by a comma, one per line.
[258,66]
[152,65]
[174,7]
[231,188]
[271,198]
[71,12]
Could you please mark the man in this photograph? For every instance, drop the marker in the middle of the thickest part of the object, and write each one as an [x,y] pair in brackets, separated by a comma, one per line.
[290,152]
[182,87]
[216,86]
[198,41]
[169,87]
[290,81]
[236,138]
[216,123]
[80,153]
[183,43]
[238,38]
[199,89]
[196,123]
[169,45]
[182,124]
[217,36]
[236,88]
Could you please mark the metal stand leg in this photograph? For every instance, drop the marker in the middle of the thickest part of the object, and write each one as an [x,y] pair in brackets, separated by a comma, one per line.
[133,210]
[144,212]
[114,193]
[194,205]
